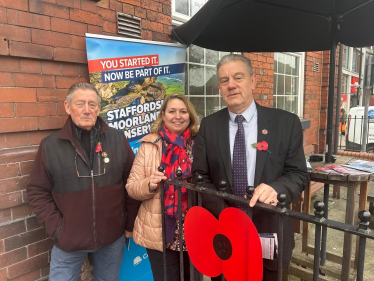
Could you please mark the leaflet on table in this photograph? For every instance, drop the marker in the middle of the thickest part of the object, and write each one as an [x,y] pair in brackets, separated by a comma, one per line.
[362,165]
[269,244]
[341,170]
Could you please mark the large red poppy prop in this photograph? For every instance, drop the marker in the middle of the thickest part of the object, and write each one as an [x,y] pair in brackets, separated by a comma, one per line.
[230,246]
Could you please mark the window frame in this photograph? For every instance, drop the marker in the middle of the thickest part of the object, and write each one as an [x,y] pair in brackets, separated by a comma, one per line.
[179,16]
[204,95]
[300,92]
[358,54]
[349,58]
[178,19]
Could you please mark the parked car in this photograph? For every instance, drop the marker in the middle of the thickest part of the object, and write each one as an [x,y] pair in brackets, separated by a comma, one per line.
[354,129]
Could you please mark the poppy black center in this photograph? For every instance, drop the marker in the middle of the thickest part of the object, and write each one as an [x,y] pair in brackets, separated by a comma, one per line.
[222,246]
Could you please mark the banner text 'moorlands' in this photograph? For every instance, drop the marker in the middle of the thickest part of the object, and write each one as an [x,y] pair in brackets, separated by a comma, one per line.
[134,120]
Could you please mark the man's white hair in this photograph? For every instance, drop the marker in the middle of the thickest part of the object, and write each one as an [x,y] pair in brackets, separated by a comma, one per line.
[83,86]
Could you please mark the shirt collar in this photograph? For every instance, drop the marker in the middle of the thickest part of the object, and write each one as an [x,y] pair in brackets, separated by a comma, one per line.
[247,114]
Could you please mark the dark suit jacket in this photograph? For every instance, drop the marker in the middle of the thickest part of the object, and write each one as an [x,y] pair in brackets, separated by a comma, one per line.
[284,169]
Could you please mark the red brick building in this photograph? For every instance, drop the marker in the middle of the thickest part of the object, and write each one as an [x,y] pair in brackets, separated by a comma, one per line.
[42,53]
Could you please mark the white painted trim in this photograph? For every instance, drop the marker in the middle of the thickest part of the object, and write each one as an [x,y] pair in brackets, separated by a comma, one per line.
[301,93]
[90,35]
[176,22]
[301,81]
[178,16]
[350,52]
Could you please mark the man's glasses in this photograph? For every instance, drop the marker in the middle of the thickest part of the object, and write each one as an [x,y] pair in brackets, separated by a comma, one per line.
[79,176]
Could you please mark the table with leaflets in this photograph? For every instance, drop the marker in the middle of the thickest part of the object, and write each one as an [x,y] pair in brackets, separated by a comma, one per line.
[340,174]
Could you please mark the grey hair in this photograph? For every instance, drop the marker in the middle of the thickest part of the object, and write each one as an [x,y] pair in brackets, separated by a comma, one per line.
[235,57]
[83,86]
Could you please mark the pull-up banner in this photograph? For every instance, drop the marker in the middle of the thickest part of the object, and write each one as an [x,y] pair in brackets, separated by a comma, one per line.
[133,77]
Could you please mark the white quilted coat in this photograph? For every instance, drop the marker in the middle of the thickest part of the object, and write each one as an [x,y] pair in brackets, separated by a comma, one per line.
[147,229]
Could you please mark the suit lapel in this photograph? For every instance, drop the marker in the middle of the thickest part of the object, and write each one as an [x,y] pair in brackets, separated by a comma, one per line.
[264,132]
[224,143]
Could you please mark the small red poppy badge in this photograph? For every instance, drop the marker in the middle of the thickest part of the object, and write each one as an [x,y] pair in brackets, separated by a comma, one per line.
[98,147]
[262,145]
[230,245]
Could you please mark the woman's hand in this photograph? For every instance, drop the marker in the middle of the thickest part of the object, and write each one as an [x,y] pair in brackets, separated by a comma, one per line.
[155,179]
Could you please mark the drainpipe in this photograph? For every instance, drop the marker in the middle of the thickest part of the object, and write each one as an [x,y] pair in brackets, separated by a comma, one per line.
[338,100]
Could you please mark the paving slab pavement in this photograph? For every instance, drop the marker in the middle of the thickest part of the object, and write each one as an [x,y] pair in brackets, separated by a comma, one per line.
[334,237]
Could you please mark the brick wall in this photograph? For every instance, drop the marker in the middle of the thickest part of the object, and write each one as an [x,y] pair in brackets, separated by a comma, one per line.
[371,100]
[263,64]
[42,52]
[324,98]
[312,100]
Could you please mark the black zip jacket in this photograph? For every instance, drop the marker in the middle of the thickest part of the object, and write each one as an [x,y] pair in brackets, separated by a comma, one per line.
[83,209]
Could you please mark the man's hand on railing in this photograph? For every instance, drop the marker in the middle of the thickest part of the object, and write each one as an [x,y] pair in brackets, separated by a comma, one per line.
[264,193]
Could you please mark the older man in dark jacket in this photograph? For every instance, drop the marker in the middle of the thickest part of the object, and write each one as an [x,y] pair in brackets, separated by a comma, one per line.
[77,189]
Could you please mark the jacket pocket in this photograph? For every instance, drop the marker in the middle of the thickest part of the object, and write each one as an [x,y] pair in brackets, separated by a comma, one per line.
[58,233]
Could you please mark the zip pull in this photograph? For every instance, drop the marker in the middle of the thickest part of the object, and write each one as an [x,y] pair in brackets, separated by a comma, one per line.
[91,173]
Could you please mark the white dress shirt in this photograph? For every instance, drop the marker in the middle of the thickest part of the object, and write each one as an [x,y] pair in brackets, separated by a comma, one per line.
[250,129]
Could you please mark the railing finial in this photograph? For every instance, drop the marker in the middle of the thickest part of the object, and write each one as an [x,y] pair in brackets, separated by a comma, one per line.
[179,173]
[319,206]
[199,179]
[250,190]
[222,186]
[281,201]
[364,217]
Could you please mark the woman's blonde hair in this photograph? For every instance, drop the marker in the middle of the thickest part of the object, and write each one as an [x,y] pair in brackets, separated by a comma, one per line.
[157,125]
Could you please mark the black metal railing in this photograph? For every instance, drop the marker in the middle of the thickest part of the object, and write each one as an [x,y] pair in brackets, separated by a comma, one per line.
[194,199]
[351,134]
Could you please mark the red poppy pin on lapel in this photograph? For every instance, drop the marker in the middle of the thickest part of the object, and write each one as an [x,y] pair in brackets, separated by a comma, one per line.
[230,245]
[262,145]
[98,147]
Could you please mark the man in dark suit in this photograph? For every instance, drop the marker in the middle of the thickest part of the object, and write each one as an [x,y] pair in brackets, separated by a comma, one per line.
[224,151]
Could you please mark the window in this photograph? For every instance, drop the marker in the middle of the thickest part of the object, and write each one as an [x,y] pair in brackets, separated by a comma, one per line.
[201,80]
[201,83]
[356,60]
[345,56]
[287,81]
[351,70]
[184,9]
